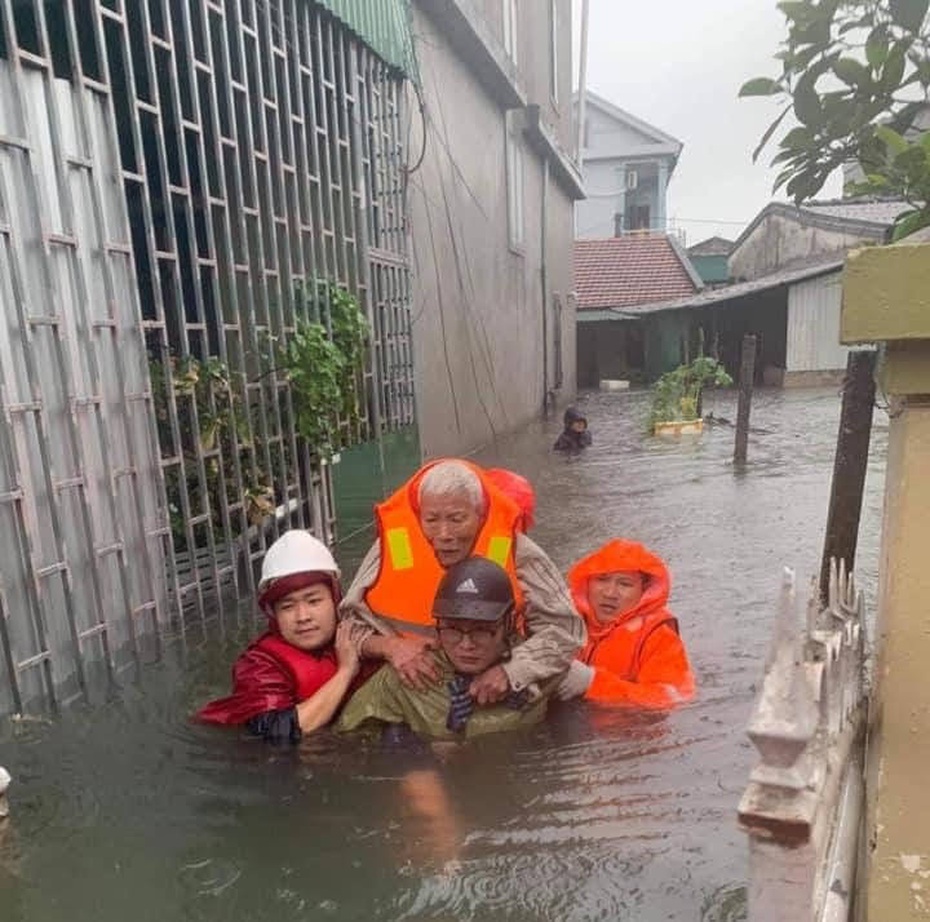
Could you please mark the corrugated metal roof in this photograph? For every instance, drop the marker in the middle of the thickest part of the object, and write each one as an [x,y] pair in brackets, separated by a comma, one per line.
[797,272]
[383,25]
[876,212]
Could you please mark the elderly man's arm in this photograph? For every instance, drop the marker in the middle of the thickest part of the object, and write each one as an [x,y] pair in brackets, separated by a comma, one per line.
[353,606]
[406,654]
[555,631]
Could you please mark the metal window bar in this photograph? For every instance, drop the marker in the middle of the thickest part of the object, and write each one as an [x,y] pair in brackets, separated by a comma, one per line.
[53,485]
[259,148]
[114,542]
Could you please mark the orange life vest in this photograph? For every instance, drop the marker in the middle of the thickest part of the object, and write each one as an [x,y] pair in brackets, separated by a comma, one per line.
[625,671]
[410,574]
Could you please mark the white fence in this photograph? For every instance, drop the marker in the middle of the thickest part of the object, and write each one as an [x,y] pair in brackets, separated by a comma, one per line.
[802,808]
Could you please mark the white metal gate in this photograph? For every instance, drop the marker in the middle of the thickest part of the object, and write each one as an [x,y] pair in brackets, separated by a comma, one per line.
[175,175]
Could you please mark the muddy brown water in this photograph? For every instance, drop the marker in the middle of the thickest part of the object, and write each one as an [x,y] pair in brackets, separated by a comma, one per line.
[125,811]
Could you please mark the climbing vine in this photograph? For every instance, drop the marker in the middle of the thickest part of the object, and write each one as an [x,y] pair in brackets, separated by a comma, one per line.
[324,370]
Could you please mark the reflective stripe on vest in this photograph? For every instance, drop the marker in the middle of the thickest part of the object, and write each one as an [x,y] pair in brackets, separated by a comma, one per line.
[409,574]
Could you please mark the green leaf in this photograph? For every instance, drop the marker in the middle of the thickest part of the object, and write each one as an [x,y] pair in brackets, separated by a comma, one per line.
[806,101]
[893,69]
[799,137]
[891,139]
[909,14]
[797,10]
[769,132]
[851,72]
[816,33]
[805,184]
[910,221]
[876,47]
[760,86]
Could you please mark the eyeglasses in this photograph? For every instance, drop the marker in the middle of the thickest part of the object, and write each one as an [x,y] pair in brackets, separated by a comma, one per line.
[455,635]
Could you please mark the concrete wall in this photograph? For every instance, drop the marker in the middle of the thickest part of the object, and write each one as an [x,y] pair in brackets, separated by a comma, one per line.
[605,179]
[778,240]
[604,134]
[813,340]
[481,367]
[604,185]
[886,298]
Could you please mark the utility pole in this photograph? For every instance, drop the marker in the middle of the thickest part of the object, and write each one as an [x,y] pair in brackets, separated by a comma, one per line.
[850,464]
[746,372]
[582,77]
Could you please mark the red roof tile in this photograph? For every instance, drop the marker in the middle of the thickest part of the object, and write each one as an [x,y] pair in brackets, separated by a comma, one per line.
[625,271]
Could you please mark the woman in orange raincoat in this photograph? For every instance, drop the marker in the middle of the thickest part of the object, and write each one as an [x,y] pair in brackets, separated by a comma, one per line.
[520,490]
[634,655]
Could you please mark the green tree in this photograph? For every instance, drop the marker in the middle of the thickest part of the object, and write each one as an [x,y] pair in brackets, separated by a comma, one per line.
[855,74]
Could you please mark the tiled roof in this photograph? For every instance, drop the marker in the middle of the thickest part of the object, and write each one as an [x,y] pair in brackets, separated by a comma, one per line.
[631,270]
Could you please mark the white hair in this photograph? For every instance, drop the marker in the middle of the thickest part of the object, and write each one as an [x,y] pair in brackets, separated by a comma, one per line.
[448,478]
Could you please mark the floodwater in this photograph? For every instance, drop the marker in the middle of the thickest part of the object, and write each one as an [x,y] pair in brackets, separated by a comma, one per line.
[125,811]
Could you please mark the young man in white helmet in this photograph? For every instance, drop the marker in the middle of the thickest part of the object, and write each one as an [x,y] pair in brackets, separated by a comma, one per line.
[293,678]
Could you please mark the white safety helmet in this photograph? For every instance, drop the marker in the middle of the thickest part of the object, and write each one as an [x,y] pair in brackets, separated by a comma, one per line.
[296,551]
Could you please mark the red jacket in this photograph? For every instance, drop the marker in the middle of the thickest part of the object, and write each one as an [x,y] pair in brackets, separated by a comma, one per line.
[638,658]
[271,675]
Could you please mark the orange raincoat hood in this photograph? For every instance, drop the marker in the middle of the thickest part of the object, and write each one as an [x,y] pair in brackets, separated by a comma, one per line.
[613,556]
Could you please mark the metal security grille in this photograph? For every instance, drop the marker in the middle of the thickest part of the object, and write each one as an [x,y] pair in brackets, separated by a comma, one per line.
[180,182]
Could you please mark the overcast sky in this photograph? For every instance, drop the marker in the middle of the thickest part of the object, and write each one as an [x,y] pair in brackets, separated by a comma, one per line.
[678,64]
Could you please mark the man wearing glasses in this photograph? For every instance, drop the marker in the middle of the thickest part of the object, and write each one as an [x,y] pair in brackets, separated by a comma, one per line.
[473,611]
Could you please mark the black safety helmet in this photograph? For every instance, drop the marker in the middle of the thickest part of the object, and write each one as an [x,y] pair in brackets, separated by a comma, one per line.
[476,589]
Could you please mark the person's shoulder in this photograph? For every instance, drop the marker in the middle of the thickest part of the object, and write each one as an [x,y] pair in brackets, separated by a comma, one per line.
[526,550]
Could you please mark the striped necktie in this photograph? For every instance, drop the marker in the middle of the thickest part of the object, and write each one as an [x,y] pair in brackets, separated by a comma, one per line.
[461,703]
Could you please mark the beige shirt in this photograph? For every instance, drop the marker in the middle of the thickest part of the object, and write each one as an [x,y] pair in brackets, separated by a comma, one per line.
[555,631]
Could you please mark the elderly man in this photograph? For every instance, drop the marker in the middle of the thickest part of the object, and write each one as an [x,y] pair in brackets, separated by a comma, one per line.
[448,511]
[474,610]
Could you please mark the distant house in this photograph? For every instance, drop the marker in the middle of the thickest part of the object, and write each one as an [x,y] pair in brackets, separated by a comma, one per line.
[786,265]
[626,166]
[709,258]
[615,278]
[781,233]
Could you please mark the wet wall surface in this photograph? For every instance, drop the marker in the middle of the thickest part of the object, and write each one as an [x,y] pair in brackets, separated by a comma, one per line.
[124,810]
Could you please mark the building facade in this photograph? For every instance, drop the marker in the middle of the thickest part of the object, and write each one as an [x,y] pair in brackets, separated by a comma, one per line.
[627,165]
[709,258]
[491,194]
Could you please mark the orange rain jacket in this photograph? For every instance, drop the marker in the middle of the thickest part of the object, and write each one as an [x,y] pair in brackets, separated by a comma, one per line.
[520,490]
[638,658]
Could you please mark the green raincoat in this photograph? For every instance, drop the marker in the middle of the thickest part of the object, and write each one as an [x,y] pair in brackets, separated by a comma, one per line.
[386,699]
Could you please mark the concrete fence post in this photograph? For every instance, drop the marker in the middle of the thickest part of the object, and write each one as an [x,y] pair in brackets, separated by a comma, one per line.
[803,800]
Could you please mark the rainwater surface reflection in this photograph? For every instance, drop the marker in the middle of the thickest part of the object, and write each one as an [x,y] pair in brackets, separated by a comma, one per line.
[125,811]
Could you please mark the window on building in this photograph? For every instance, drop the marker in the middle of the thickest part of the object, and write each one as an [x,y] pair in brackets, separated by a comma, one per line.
[554,50]
[637,217]
[510,28]
[514,154]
